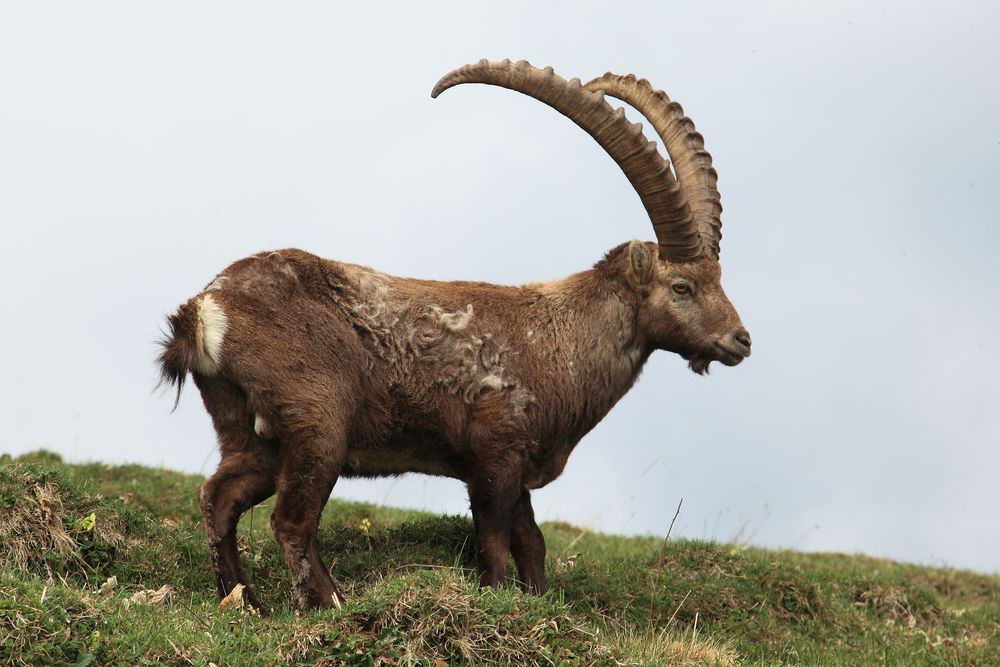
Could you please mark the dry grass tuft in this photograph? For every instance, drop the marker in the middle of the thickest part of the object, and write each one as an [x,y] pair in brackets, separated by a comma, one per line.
[887,601]
[302,642]
[446,621]
[894,604]
[662,647]
[34,525]
[39,523]
[449,619]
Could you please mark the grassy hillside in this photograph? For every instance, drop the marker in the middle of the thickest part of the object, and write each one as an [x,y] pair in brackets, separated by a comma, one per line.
[66,529]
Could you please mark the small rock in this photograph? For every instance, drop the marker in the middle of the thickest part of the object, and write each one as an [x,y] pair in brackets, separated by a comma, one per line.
[108,587]
[235,597]
[158,598]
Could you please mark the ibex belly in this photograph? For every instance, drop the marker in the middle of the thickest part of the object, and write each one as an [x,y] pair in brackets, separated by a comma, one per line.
[382,461]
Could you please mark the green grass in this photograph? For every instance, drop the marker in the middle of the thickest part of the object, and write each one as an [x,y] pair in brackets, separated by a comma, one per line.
[408,576]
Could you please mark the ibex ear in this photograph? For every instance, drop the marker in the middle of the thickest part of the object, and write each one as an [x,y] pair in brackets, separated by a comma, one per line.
[642,262]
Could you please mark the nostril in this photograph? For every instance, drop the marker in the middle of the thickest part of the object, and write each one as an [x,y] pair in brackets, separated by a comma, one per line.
[743,337]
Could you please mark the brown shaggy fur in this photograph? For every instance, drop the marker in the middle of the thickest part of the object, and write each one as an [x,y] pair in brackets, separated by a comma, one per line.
[312,369]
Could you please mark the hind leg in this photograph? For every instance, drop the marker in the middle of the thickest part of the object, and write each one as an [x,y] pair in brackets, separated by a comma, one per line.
[245,477]
[311,463]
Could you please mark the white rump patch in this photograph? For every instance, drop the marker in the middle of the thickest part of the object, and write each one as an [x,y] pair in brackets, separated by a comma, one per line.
[211,331]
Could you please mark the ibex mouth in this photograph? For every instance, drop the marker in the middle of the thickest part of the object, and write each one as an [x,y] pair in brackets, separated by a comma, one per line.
[723,354]
[731,355]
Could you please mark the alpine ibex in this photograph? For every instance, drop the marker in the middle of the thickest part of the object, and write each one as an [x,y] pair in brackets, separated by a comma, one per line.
[312,369]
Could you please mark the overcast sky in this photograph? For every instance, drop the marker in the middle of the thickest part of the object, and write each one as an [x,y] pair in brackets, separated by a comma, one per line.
[143,147]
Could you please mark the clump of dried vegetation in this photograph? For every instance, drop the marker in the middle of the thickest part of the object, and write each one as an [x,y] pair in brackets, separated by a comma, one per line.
[49,523]
[440,616]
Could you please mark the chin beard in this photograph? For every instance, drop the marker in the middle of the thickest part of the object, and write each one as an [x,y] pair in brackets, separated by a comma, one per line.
[699,365]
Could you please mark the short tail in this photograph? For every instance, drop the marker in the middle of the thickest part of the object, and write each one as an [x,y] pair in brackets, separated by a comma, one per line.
[195,342]
[179,355]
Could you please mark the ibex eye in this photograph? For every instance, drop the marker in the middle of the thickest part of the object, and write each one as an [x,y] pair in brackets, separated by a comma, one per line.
[681,289]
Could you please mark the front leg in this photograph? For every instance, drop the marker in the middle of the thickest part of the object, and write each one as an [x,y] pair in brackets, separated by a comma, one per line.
[493,494]
[528,546]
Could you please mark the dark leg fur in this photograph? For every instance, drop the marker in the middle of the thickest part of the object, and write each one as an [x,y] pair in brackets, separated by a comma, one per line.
[528,546]
[310,467]
[493,496]
[244,478]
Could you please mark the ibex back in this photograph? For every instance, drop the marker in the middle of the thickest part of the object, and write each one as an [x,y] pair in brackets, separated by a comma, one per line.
[313,369]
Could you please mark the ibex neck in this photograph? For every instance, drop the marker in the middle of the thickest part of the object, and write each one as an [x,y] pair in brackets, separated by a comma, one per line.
[597,351]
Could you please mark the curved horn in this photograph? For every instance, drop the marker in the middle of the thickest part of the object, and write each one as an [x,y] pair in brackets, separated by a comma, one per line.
[648,173]
[692,163]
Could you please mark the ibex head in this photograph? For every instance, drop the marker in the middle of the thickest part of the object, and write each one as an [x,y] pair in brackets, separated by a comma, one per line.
[682,308]
[681,305]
